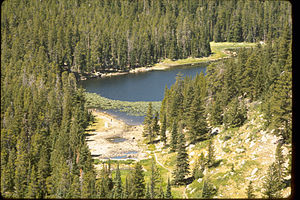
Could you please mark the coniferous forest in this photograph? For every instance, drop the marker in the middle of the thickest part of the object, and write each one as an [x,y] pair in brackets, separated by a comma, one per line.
[44,44]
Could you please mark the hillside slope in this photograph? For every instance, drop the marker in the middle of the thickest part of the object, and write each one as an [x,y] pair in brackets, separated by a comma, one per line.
[242,155]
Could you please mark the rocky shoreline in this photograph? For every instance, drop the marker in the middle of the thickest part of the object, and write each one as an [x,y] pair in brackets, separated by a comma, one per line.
[110,138]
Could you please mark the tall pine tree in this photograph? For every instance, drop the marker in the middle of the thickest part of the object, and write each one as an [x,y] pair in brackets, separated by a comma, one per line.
[182,164]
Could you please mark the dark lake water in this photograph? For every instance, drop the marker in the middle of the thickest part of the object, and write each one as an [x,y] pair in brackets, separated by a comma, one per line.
[147,86]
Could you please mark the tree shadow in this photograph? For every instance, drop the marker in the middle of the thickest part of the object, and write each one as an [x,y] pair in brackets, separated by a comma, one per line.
[154,141]
[88,134]
[185,182]
[198,140]
[96,155]
[90,130]
[216,163]
[287,182]
[189,180]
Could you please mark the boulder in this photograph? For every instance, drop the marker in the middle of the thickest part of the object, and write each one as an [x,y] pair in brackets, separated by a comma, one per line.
[240,150]
[192,153]
[254,171]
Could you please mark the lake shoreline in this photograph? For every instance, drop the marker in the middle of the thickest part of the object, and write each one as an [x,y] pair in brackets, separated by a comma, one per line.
[101,134]
[219,51]
[156,67]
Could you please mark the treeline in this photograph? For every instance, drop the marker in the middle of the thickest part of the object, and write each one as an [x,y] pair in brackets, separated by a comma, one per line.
[87,36]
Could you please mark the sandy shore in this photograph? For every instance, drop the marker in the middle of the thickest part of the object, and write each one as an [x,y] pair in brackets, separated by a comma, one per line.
[106,129]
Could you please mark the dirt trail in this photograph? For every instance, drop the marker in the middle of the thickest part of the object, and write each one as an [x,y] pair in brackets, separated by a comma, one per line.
[157,161]
[184,193]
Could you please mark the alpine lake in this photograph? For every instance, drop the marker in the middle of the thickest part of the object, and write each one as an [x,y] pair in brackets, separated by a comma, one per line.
[137,87]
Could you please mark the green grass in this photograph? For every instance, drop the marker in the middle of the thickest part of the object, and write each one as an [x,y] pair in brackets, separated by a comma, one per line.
[226,149]
[201,145]
[198,189]
[138,108]
[151,147]
[217,49]
[177,192]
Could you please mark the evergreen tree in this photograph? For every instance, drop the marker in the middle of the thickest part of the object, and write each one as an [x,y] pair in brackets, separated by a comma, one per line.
[182,165]
[118,184]
[33,187]
[163,129]
[154,180]
[235,114]
[148,195]
[279,161]
[75,187]
[155,127]
[7,172]
[43,116]
[174,137]
[148,121]
[168,191]
[138,191]
[281,105]
[216,113]
[250,191]
[126,189]
[21,167]
[272,184]
[197,124]
[104,184]
[161,193]
[187,102]
[208,190]
[211,154]
[199,167]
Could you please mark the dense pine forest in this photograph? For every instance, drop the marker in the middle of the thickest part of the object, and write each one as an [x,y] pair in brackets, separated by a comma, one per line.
[44,44]
[84,36]
[263,73]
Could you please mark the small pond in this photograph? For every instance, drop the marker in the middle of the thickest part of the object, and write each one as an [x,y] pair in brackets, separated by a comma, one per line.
[116,139]
[125,156]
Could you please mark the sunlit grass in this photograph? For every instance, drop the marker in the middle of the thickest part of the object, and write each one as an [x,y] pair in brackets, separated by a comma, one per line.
[217,49]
